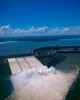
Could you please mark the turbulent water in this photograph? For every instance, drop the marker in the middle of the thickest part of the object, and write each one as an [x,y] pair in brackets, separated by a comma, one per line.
[25,76]
[42,84]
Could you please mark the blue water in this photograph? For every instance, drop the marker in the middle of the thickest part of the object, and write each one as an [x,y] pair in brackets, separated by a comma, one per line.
[8,48]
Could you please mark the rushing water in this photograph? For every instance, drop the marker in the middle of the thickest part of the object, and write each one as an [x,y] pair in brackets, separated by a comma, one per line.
[41,84]
[20,79]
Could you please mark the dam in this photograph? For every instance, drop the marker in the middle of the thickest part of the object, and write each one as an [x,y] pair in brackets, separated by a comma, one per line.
[39,82]
[42,84]
[31,79]
[23,63]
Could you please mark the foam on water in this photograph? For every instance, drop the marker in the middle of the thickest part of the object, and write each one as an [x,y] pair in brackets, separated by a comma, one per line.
[25,76]
[42,84]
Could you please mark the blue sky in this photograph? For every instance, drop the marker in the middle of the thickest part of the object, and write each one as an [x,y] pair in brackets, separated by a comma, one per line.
[39,13]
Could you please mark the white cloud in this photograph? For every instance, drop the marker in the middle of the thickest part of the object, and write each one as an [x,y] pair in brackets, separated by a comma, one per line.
[33,31]
[58,31]
[5,27]
[66,29]
[5,30]
[38,29]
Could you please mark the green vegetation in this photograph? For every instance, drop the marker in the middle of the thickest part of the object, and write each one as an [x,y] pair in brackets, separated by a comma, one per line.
[49,57]
[4,68]
[15,55]
[74,92]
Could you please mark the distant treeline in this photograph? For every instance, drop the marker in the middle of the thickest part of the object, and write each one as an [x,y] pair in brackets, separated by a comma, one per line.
[37,38]
[16,55]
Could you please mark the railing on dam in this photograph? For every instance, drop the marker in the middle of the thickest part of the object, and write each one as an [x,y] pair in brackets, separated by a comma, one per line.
[60,49]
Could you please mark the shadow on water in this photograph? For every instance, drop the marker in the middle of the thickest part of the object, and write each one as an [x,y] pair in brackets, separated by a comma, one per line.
[6,86]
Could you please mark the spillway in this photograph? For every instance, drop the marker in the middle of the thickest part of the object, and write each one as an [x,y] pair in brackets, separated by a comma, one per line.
[22,63]
[43,84]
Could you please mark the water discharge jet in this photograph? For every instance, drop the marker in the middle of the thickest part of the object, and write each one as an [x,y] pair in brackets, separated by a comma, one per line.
[24,76]
[42,84]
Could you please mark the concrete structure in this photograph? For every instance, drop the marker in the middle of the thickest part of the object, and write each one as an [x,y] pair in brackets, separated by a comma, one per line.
[33,62]
[22,63]
[15,68]
[61,48]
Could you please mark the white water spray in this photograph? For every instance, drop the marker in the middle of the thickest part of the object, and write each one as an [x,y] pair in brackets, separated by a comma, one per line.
[25,76]
[42,84]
